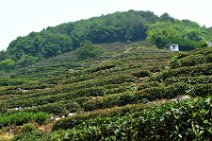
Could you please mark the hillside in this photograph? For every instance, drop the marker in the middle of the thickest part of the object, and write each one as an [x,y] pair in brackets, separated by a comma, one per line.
[108,78]
[132,91]
[172,104]
[123,27]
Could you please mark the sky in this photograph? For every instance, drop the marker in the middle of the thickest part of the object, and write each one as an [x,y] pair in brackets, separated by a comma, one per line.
[20,17]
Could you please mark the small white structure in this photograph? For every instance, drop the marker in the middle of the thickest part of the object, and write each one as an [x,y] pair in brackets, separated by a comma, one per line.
[173,47]
[209,43]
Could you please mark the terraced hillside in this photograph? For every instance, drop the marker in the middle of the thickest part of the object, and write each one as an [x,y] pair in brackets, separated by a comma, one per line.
[172,104]
[131,92]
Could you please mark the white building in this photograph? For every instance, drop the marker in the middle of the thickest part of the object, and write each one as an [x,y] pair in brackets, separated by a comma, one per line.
[173,47]
[209,44]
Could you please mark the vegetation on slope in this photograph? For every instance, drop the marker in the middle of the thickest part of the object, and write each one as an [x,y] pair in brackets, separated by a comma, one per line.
[171,120]
[186,120]
[118,27]
[131,92]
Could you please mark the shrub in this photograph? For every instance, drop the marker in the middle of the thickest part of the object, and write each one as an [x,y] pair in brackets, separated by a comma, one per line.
[174,64]
[28,128]
[72,106]
[189,80]
[7,64]
[175,90]
[142,73]
[180,55]
[182,120]
[29,136]
[179,121]
[209,57]
[202,69]
[94,91]
[11,82]
[88,50]
[148,85]
[151,93]
[41,118]
[200,90]
[109,101]
[26,60]
[192,60]
[99,68]
[51,108]
[20,118]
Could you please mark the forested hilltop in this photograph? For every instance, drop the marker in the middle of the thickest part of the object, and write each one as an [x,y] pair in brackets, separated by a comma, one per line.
[125,27]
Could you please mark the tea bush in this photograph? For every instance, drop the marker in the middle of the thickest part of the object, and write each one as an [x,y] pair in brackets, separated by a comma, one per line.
[20,118]
[202,69]
[57,108]
[28,128]
[77,119]
[185,120]
[142,73]
[29,136]
[192,60]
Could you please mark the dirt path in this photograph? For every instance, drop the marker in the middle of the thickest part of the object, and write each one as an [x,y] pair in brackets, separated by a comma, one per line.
[6,136]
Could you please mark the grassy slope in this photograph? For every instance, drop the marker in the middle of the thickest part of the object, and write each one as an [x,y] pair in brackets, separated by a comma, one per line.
[115,87]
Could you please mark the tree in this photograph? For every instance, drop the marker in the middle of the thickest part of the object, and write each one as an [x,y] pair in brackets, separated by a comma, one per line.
[166,17]
[127,27]
[3,55]
[26,60]
[193,34]
[162,33]
[7,64]
[88,50]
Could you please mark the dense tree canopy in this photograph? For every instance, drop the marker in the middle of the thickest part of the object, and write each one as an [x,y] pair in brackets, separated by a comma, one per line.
[188,37]
[161,36]
[43,44]
[118,27]
[3,55]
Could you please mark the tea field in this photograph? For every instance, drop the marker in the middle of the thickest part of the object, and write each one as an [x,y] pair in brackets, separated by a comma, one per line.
[131,92]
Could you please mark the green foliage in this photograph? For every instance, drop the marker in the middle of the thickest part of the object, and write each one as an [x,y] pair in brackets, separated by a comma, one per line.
[203,69]
[125,27]
[186,120]
[10,82]
[163,33]
[41,117]
[100,68]
[166,17]
[43,44]
[131,94]
[3,55]
[26,60]
[57,108]
[29,136]
[66,37]
[197,57]
[28,128]
[88,50]
[20,118]
[77,119]
[28,133]
[7,64]
[142,73]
